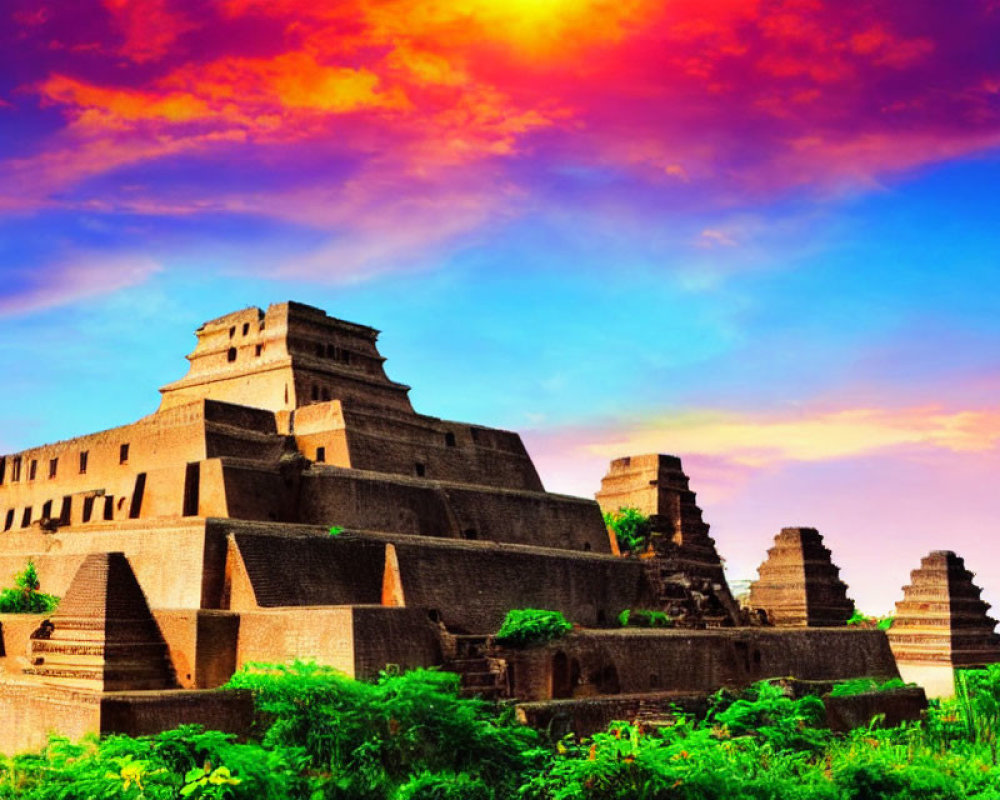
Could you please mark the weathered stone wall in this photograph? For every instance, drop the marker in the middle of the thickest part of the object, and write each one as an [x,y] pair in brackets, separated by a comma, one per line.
[626,661]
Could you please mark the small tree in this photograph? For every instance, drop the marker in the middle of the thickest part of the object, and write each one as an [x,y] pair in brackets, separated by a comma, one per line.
[524,627]
[631,528]
[26,599]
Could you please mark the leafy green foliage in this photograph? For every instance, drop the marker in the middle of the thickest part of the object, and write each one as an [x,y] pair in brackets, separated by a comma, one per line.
[524,627]
[25,597]
[336,530]
[370,739]
[863,686]
[631,528]
[642,618]
[324,736]
[859,619]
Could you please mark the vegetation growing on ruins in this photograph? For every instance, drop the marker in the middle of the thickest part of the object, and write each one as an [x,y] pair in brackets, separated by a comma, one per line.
[322,736]
[25,597]
[861,620]
[631,528]
[524,627]
[643,618]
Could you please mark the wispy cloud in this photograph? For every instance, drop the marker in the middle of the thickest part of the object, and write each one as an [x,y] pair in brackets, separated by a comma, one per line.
[72,279]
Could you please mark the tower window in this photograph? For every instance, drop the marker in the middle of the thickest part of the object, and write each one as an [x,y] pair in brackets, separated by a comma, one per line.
[449,439]
[315,392]
[8,522]
[47,510]
[83,462]
[123,454]
[232,332]
[420,469]
[258,350]
[33,469]
[320,455]
[231,355]
[3,469]
[53,467]
[246,328]
[26,517]
[320,350]
[15,469]
[326,395]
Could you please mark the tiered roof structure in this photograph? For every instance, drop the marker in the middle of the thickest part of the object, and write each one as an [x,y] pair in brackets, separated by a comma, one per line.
[941,618]
[799,585]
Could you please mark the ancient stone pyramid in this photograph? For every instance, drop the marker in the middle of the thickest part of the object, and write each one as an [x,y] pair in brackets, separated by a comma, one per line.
[103,636]
[799,584]
[941,618]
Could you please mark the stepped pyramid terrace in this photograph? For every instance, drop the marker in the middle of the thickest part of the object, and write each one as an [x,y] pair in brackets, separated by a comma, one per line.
[942,624]
[799,585]
[199,538]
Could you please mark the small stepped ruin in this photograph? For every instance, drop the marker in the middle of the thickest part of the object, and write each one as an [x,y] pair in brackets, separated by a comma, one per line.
[799,585]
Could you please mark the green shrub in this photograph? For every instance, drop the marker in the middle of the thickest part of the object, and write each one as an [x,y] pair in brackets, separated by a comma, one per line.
[864,685]
[642,618]
[26,599]
[524,627]
[631,528]
[443,786]
[336,530]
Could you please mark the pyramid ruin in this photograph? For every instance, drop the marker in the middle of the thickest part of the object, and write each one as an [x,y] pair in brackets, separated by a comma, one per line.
[286,501]
[941,622]
[799,585]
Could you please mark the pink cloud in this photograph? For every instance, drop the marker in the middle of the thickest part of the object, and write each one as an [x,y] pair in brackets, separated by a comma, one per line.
[72,279]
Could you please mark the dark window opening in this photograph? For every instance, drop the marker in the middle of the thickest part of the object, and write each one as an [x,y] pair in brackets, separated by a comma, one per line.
[420,469]
[326,395]
[320,349]
[586,546]
[315,392]
[15,469]
[53,467]
[47,509]
[654,681]
[66,512]
[83,462]
[434,615]
[258,350]
[331,351]
[3,469]
[286,394]
[471,534]
[26,517]
[475,434]
[231,355]
[192,486]
[88,508]
[449,439]
[246,328]
[8,522]
[602,617]
[140,488]
[109,507]
[33,469]
[123,454]
[756,657]
[320,455]
[232,332]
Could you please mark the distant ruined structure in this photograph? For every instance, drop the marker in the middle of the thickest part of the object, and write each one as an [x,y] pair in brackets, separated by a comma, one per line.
[941,623]
[199,538]
[799,584]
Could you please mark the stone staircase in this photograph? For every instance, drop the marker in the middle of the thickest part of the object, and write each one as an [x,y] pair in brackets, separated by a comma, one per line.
[654,713]
[103,636]
[480,674]
[692,602]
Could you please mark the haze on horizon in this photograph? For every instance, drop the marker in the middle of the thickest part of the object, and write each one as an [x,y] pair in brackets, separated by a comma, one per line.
[758,235]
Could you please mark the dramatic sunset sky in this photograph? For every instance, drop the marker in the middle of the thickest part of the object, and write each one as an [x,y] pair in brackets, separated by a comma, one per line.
[762,236]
